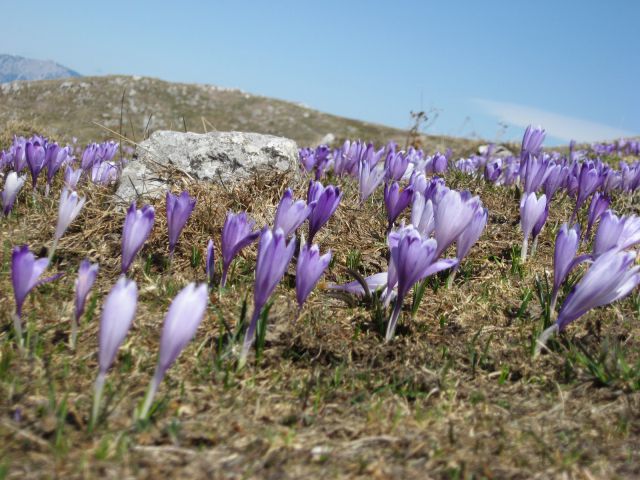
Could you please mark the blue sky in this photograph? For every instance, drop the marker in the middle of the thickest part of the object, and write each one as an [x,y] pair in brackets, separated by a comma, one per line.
[488,68]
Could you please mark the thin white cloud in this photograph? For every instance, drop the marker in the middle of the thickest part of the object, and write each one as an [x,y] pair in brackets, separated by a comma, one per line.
[559,126]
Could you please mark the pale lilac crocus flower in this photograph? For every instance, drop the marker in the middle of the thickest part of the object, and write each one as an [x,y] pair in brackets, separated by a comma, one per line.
[183,318]
[70,206]
[291,213]
[616,232]
[375,282]
[414,259]
[531,210]
[369,178]
[237,233]
[422,214]
[452,214]
[179,209]
[599,204]
[469,236]
[87,274]
[309,268]
[118,312]
[136,230]
[274,255]
[72,177]
[12,186]
[610,277]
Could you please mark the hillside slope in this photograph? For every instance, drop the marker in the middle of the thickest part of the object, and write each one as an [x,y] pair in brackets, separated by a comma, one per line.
[73,106]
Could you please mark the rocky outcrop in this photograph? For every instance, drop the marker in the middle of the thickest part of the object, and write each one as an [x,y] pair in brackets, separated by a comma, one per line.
[216,156]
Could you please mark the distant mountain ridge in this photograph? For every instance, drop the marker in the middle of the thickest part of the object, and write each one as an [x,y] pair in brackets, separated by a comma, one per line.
[13,67]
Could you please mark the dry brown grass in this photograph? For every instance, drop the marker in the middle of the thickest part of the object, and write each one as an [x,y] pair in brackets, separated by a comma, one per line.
[455,395]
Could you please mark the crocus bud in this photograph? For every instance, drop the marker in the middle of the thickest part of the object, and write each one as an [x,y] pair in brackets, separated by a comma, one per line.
[87,274]
[599,203]
[12,186]
[137,227]
[291,213]
[471,234]
[274,255]
[396,200]
[532,141]
[25,274]
[237,233]
[178,212]
[180,325]
[118,312]
[309,269]
[531,209]
[35,160]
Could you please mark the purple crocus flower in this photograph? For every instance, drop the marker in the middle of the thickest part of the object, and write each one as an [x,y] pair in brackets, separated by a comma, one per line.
[610,277]
[556,178]
[183,318]
[588,182]
[327,200]
[537,228]
[616,232]
[599,203]
[291,213]
[104,173]
[531,210]
[137,227]
[87,274]
[70,206]
[274,255]
[210,265]
[414,259]
[19,154]
[89,156]
[396,165]
[452,214]
[369,178]
[534,172]
[309,269]
[179,210]
[35,160]
[117,315]
[55,157]
[25,275]
[12,186]
[237,233]
[396,200]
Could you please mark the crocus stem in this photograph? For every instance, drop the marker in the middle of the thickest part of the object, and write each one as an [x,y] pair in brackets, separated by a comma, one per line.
[451,277]
[17,326]
[151,393]
[74,332]
[393,320]
[552,302]
[53,248]
[541,342]
[249,337]
[523,251]
[97,398]
[223,279]
[534,247]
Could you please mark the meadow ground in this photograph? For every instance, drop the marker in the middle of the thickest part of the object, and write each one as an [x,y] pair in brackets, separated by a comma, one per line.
[455,395]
